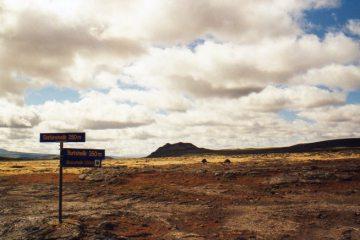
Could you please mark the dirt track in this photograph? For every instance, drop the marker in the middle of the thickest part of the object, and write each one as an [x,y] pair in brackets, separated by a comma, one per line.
[269,197]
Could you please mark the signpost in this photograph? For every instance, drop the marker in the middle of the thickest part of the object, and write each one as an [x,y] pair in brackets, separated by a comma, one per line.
[73,157]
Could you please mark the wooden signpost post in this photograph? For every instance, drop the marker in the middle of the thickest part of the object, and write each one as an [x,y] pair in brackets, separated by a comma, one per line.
[73,157]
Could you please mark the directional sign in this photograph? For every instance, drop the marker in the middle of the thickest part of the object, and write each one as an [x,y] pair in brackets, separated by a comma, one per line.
[73,157]
[62,137]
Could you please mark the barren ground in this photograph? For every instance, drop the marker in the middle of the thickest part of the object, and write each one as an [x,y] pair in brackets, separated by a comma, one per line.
[274,196]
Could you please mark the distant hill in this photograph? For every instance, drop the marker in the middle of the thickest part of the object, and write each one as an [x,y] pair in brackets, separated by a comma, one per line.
[181,149]
[4,154]
[178,149]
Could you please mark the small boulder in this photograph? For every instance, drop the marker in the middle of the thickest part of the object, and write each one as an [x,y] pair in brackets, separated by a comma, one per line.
[230,175]
[200,172]
[106,225]
[227,161]
[95,177]
[204,161]
[82,176]
[322,215]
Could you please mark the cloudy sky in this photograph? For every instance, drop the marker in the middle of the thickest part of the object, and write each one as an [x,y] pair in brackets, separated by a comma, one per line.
[136,74]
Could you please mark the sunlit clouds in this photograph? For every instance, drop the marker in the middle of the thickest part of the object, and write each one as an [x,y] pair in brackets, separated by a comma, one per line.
[219,74]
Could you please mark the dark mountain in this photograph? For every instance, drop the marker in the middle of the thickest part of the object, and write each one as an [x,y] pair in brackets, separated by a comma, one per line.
[4,154]
[180,149]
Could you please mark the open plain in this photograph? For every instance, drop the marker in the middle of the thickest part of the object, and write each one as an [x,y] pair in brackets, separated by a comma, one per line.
[264,196]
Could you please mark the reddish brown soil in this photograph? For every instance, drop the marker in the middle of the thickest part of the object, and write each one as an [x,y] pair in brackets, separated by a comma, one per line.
[257,200]
[44,178]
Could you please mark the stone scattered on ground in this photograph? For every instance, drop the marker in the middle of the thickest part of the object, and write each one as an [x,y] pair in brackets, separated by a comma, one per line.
[227,161]
[271,197]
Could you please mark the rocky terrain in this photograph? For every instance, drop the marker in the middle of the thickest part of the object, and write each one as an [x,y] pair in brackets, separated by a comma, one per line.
[268,196]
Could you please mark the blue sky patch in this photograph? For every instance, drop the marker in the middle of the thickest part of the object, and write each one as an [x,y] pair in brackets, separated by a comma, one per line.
[353,97]
[40,96]
[195,43]
[162,112]
[287,115]
[131,86]
[327,19]
[290,116]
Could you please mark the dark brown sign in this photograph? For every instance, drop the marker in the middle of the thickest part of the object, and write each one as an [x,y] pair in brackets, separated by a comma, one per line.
[73,157]
[62,137]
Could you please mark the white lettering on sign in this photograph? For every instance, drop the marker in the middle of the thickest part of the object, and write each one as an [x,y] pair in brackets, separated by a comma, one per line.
[76,153]
[74,137]
[55,137]
[95,154]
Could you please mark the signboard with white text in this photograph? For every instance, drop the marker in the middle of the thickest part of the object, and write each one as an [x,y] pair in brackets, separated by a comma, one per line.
[62,137]
[74,157]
